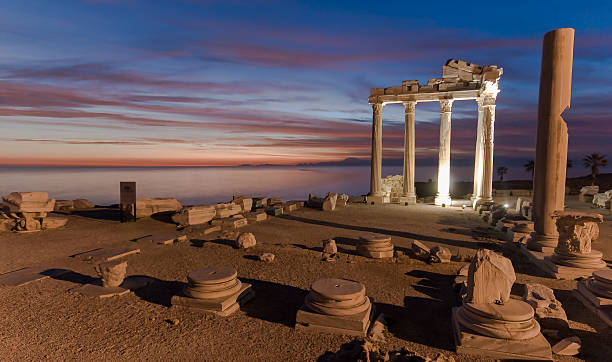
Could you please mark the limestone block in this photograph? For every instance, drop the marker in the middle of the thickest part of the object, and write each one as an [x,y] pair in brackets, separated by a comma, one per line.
[63,205]
[28,224]
[256,216]
[227,210]
[589,190]
[440,254]
[112,273]
[83,204]
[29,202]
[245,240]
[147,206]
[602,199]
[342,200]
[548,310]
[7,224]
[420,250]
[568,347]
[329,247]
[194,215]
[329,203]
[245,203]
[275,200]
[577,230]
[53,222]
[490,278]
[392,188]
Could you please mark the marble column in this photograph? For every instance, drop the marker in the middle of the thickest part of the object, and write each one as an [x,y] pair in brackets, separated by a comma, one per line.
[443,195]
[551,144]
[408,193]
[488,127]
[375,195]
[478,156]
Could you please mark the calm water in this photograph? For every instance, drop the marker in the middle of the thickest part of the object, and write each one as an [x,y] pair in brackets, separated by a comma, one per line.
[190,185]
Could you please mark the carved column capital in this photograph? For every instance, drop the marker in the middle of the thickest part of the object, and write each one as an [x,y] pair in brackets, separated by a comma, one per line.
[409,106]
[488,101]
[446,105]
[479,101]
[377,107]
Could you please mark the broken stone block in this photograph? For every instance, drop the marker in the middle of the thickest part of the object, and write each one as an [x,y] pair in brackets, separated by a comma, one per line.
[256,216]
[342,200]
[227,210]
[146,206]
[329,203]
[329,247]
[53,222]
[245,203]
[375,246]
[274,210]
[440,254]
[233,222]
[245,240]
[63,205]
[112,273]
[420,250]
[548,310]
[490,278]
[587,193]
[28,224]
[36,203]
[194,215]
[212,229]
[83,204]
[568,347]
[7,224]
[267,257]
[377,329]
[287,208]
[274,201]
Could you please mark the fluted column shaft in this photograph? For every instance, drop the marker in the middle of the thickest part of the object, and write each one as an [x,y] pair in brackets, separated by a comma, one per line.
[478,167]
[488,125]
[443,195]
[409,194]
[376,159]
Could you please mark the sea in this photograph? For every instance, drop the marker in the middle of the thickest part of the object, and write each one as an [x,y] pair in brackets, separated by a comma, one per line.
[190,185]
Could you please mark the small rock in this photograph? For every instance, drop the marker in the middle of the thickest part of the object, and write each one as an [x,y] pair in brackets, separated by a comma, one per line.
[568,347]
[329,247]
[268,257]
[440,254]
[399,253]
[173,322]
[377,329]
[83,204]
[420,250]
[245,240]
[548,310]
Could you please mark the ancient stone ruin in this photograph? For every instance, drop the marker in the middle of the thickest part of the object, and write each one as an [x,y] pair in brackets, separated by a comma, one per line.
[489,321]
[596,294]
[375,246]
[460,81]
[215,290]
[336,306]
[28,211]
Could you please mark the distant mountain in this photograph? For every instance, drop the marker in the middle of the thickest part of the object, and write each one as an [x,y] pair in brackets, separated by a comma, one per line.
[351,161]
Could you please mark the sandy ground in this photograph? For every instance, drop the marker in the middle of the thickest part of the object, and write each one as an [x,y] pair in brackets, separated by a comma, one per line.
[43,320]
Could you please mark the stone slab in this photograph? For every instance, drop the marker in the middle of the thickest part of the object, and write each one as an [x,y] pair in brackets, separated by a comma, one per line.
[596,300]
[166,239]
[217,305]
[106,254]
[374,200]
[356,324]
[30,274]
[376,254]
[467,342]
[97,290]
[604,314]
[212,229]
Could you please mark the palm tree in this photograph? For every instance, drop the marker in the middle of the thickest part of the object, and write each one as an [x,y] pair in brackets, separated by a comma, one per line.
[501,171]
[594,161]
[530,167]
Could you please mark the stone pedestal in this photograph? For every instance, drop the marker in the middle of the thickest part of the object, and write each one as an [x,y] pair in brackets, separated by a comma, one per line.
[596,294]
[375,246]
[335,306]
[573,256]
[491,323]
[28,209]
[215,290]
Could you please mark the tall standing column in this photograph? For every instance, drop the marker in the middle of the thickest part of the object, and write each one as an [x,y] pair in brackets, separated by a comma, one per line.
[478,156]
[375,195]
[409,195]
[443,195]
[551,144]
[488,126]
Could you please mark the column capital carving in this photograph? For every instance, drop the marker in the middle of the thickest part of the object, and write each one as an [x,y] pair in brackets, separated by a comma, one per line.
[479,101]
[446,105]
[488,100]
[377,107]
[409,106]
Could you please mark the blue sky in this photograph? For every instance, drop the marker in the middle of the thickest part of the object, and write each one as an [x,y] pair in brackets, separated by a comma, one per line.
[232,82]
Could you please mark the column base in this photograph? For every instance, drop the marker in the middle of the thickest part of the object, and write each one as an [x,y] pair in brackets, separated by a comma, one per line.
[374,199]
[407,200]
[442,199]
[542,243]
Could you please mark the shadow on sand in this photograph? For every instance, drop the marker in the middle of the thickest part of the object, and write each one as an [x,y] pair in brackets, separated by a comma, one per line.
[99,214]
[401,234]
[273,302]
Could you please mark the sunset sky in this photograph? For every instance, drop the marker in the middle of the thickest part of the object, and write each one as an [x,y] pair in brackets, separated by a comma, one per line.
[136,82]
